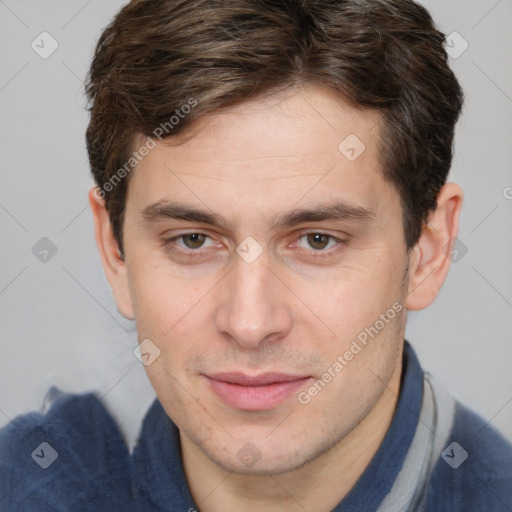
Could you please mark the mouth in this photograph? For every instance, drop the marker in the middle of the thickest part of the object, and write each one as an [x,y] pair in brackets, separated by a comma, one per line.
[255,392]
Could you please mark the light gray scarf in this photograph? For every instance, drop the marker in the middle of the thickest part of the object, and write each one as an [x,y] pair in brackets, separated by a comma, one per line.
[409,490]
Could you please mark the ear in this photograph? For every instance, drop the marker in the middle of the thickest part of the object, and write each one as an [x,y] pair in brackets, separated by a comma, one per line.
[429,260]
[113,264]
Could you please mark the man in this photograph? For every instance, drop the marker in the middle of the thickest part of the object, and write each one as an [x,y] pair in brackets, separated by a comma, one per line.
[270,201]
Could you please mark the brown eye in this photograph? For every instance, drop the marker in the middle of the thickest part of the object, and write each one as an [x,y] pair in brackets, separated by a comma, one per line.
[318,241]
[194,240]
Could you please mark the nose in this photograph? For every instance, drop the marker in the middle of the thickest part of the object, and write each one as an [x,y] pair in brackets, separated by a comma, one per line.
[252,307]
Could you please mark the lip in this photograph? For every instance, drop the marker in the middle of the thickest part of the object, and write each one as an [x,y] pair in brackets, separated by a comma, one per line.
[255,392]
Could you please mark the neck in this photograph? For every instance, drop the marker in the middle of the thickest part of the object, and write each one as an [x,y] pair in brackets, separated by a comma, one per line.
[319,485]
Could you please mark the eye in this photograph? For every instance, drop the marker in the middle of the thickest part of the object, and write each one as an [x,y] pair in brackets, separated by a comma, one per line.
[317,241]
[190,242]
[193,240]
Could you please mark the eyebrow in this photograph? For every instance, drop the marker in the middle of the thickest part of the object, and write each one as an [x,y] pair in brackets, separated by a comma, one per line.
[337,211]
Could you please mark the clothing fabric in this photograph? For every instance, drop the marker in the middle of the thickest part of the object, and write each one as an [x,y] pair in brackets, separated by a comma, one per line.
[436,456]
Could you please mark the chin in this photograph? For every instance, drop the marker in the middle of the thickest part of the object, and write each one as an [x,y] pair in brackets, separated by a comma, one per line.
[262,457]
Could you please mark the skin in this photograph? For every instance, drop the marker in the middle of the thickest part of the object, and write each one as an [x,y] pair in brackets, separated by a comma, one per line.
[287,311]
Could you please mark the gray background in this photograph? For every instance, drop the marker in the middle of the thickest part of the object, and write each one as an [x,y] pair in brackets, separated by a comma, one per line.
[59,321]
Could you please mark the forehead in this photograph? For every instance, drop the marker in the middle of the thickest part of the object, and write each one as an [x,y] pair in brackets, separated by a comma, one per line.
[298,145]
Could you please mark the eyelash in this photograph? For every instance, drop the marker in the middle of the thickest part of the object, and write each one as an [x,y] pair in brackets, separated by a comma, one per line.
[169,244]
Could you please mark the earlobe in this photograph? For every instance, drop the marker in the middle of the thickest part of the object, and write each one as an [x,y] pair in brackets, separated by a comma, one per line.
[113,263]
[430,258]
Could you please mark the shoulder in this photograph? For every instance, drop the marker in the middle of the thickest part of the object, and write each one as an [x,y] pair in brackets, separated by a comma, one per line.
[474,472]
[72,456]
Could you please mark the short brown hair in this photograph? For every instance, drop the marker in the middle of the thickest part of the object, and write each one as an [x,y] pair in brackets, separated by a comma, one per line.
[158,55]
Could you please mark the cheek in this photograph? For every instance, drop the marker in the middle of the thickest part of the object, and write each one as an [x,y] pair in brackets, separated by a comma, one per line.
[161,299]
[172,313]
[350,299]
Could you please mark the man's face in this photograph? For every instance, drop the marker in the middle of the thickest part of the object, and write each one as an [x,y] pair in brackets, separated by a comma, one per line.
[253,301]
